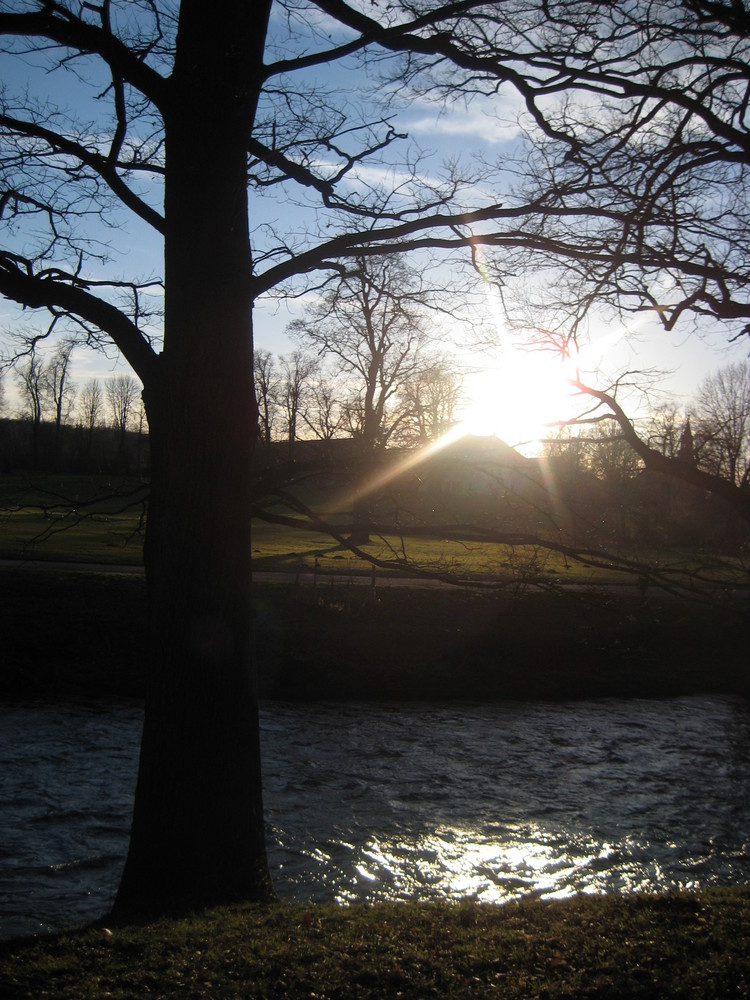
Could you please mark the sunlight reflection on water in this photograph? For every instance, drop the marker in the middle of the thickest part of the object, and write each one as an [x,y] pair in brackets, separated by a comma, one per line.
[501,801]
[370,802]
[452,863]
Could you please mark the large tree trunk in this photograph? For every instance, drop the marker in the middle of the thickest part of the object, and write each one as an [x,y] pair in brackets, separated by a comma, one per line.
[197,834]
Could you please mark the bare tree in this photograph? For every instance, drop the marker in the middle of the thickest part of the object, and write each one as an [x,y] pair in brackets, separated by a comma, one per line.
[31,383]
[59,384]
[30,378]
[429,402]
[91,403]
[267,383]
[298,370]
[353,416]
[637,149]
[722,424]
[371,324]
[90,406]
[664,429]
[323,415]
[122,393]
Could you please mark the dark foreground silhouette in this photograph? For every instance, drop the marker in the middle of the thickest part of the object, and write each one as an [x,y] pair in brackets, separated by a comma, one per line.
[85,634]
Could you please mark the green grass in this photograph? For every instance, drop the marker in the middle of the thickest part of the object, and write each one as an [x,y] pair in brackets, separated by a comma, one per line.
[680,945]
[101,520]
[72,519]
[279,548]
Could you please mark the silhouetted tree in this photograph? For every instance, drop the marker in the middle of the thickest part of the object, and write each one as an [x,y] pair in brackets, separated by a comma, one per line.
[31,382]
[723,423]
[663,431]
[323,415]
[429,401]
[298,370]
[59,385]
[371,324]
[267,387]
[122,392]
[642,165]
[90,404]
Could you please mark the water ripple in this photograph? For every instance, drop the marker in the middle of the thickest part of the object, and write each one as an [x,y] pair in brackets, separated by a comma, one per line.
[367,802]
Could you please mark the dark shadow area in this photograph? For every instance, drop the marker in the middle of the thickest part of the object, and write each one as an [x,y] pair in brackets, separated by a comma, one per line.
[85,634]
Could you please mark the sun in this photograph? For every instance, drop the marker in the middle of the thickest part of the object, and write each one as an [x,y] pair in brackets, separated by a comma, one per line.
[518,398]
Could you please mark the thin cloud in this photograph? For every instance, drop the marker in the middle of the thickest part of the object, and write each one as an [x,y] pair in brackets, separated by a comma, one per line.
[484,127]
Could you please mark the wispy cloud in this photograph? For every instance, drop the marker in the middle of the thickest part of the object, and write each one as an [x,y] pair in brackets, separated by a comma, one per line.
[492,119]
[483,127]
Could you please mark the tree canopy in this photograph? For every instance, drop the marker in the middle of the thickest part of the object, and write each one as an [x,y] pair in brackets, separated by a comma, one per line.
[633,173]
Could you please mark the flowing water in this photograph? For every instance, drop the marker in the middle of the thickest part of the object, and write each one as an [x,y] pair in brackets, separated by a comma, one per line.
[367,801]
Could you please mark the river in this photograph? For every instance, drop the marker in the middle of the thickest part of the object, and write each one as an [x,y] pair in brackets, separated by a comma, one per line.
[370,801]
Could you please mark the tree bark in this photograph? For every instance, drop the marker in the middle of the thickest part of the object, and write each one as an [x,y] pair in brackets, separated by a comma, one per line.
[198,834]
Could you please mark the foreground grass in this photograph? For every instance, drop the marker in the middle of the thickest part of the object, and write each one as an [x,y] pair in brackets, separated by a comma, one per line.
[677,945]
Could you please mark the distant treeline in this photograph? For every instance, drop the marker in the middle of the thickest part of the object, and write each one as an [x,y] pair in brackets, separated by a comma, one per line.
[47,447]
[474,482]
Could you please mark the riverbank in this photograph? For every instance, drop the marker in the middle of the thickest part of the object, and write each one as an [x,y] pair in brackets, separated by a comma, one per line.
[676,945]
[74,635]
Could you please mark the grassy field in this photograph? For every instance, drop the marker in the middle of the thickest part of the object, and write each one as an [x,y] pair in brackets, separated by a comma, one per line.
[101,520]
[279,548]
[72,518]
[684,945]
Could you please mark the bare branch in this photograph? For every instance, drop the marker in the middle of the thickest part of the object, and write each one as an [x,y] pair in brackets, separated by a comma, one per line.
[56,291]
[737,498]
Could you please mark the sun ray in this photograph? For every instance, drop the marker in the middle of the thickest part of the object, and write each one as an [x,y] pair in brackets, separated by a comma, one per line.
[382,477]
